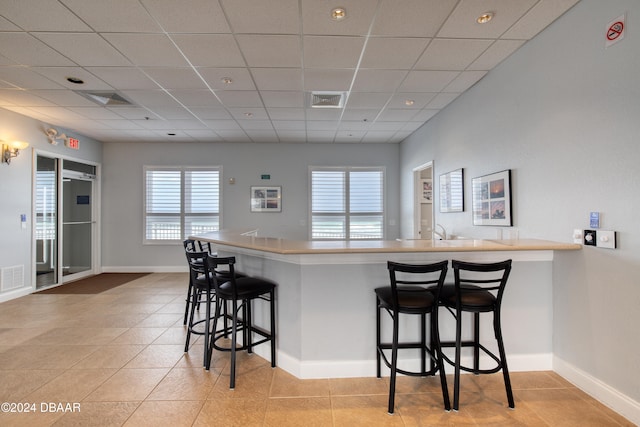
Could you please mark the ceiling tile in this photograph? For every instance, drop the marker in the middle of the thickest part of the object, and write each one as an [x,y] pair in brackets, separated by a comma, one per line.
[38,15]
[26,78]
[123,77]
[322,114]
[64,97]
[147,50]
[419,100]
[149,98]
[362,115]
[210,113]
[27,50]
[210,50]
[538,18]
[367,99]
[280,79]
[292,136]
[22,98]
[88,49]
[240,78]
[222,125]
[327,79]
[424,115]
[188,16]
[289,125]
[175,78]
[282,99]
[6,25]
[250,16]
[332,52]
[412,18]
[255,125]
[316,18]
[262,50]
[245,113]
[114,15]
[392,53]
[392,115]
[239,98]
[61,74]
[94,112]
[196,97]
[462,22]
[441,100]
[427,81]
[451,54]
[370,80]
[286,113]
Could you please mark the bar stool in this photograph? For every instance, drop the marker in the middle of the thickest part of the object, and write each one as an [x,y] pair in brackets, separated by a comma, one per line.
[478,288]
[240,292]
[409,295]
[200,288]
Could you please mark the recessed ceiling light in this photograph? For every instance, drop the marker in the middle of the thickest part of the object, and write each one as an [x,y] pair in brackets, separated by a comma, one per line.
[248,114]
[485,17]
[75,80]
[338,14]
[227,80]
[409,102]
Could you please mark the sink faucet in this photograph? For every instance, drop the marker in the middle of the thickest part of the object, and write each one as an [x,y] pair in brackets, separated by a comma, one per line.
[442,235]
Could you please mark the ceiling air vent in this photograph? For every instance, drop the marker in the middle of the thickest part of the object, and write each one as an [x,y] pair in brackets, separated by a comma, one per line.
[327,99]
[105,99]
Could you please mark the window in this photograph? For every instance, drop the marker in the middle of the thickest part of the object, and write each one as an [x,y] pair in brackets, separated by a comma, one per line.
[347,203]
[180,202]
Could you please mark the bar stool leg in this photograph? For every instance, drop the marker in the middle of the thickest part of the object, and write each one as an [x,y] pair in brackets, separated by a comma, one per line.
[503,359]
[234,340]
[476,342]
[378,361]
[456,377]
[272,306]
[394,364]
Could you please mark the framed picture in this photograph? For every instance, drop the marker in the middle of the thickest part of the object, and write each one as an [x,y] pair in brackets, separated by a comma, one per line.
[426,191]
[492,199]
[452,191]
[266,199]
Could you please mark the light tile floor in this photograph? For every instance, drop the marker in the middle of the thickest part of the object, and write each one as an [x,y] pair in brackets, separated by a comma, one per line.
[119,355]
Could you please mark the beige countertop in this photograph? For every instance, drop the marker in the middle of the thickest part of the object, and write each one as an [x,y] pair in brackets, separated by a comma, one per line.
[281,246]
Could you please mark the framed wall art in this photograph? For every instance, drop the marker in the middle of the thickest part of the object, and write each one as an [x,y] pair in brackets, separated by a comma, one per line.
[266,199]
[452,191]
[492,199]
[426,191]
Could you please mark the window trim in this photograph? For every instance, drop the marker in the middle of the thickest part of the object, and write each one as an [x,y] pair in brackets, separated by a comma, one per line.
[347,214]
[182,170]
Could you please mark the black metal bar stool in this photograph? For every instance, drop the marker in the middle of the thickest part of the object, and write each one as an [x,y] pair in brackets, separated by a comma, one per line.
[478,288]
[239,292]
[414,290]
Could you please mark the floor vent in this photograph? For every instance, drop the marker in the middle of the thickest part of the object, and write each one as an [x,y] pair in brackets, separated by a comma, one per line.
[327,99]
[11,278]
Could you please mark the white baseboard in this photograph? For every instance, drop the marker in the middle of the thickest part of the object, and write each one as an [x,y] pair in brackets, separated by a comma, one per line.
[16,293]
[605,394]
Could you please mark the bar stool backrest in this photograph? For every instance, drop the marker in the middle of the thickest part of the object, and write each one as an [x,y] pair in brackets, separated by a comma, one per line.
[212,264]
[481,277]
[416,278]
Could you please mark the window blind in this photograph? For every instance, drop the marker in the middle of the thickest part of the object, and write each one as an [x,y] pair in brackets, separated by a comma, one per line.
[180,202]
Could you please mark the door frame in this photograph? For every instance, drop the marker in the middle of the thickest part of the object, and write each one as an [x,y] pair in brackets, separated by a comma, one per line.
[417,197]
[96,265]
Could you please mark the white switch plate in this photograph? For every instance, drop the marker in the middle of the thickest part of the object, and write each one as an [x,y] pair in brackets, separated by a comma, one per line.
[606,239]
[577,236]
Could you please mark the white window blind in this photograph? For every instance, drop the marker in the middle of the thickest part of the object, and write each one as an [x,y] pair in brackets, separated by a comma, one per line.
[180,202]
[347,203]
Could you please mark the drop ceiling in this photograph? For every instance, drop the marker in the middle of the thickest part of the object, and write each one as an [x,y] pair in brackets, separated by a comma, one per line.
[245,70]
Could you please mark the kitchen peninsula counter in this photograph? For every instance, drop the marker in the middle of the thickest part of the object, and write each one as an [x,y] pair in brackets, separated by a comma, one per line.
[326,304]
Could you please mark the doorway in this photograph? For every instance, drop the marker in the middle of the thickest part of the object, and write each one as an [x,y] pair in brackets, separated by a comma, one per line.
[423,201]
[65,212]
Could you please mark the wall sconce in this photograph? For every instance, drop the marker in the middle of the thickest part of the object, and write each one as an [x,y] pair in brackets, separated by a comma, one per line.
[12,149]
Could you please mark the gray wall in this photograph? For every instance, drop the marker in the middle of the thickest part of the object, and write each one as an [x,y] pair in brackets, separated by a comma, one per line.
[563,113]
[287,164]
[16,183]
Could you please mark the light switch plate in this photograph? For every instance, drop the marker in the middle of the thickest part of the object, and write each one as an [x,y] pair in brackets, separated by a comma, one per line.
[606,239]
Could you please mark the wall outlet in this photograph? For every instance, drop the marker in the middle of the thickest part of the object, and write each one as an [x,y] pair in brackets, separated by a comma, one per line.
[590,237]
[606,239]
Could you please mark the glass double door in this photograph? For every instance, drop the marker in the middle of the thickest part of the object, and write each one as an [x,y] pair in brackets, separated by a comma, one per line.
[65,221]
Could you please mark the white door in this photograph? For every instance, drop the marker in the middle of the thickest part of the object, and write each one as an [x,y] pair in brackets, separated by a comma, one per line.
[423,201]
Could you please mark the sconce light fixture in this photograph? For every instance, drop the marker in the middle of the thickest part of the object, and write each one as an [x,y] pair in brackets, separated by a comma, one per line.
[12,149]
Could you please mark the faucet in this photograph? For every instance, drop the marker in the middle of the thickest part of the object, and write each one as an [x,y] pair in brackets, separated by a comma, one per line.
[443,235]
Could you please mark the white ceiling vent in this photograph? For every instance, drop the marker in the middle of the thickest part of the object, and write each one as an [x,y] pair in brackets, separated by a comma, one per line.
[327,99]
[105,99]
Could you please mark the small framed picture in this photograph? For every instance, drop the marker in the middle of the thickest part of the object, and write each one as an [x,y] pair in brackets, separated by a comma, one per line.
[492,199]
[266,199]
[426,191]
